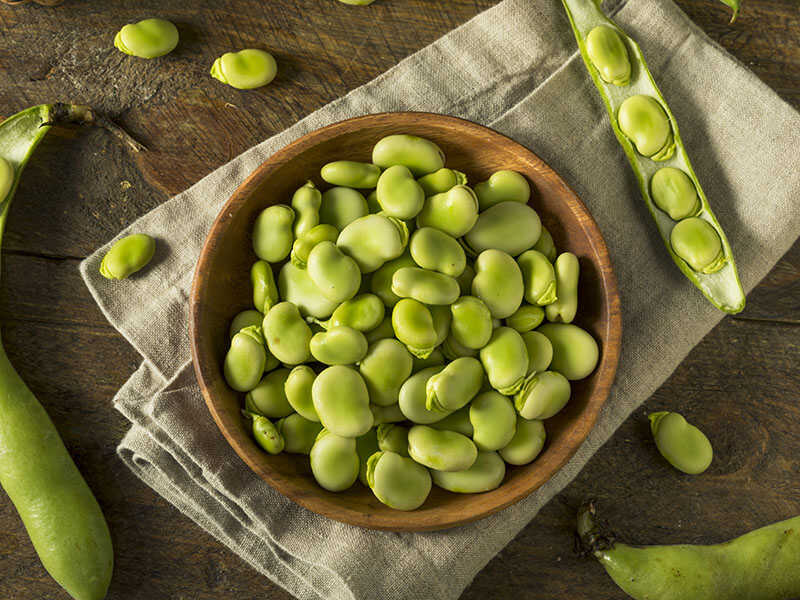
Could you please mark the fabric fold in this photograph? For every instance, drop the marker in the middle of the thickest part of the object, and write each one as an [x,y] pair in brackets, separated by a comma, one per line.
[514,68]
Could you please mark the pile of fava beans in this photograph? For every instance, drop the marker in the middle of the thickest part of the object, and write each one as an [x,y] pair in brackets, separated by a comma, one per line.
[419,335]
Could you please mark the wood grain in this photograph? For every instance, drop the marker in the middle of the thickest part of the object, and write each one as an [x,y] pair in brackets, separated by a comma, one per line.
[221,288]
[80,189]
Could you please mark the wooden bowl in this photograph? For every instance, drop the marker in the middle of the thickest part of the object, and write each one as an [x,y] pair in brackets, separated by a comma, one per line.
[221,288]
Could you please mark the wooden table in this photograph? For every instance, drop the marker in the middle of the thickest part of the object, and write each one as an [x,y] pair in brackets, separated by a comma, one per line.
[740,384]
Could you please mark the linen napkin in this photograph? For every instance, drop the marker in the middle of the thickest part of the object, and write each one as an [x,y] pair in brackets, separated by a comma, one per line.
[514,68]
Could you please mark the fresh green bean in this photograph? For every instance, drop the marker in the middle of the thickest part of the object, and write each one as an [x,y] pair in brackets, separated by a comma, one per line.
[565,306]
[246,69]
[419,155]
[306,202]
[351,174]
[273,234]
[683,445]
[149,38]
[503,186]
[127,256]
[265,290]
[721,287]
[441,181]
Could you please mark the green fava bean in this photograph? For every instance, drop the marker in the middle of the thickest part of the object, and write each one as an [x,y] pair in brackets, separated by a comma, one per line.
[455,385]
[437,251]
[485,474]
[503,186]
[357,3]
[565,307]
[526,318]
[545,245]
[526,444]
[393,438]
[149,38]
[295,286]
[386,414]
[373,240]
[540,351]
[338,346]
[539,278]
[269,396]
[505,360]
[246,69]
[287,334]
[428,287]
[472,322]
[609,55]
[498,282]
[454,211]
[642,119]
[334,461]
[366,446]
[272,233]
[419,155]
[543,395]
[697,242]
[441,181]
[683,445]
[508,226]
[381,282]
[457,421]
[342,401]
[127,256]
[341,206]
[453,349]
[335,274]
[494,421]
[397,481]
[399,194]
[351,174]
[465,280]
[266,434]
[381,332]
[413,325]
[413,397]
[306,202]
[365,312]
[673,192]
[265,290]
[299,434]
[575,351]
[246,318]
[6,178]
[441,450]
[303,245]
[297,388]
[245,359]
[385,367]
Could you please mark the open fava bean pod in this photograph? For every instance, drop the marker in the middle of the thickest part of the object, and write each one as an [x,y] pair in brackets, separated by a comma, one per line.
[648,133]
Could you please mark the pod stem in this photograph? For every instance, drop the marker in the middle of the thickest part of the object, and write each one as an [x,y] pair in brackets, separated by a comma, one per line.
[62,113]
[592,537]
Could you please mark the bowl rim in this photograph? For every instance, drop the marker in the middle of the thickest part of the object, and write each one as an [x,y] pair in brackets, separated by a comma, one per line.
[404,521]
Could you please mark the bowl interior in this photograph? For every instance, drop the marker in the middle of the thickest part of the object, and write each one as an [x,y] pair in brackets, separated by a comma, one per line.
[222,288]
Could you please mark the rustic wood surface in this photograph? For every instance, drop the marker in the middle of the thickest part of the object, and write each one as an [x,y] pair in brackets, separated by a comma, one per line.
[740,384]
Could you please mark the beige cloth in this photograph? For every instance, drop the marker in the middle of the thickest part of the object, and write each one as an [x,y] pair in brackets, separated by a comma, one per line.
[514,68]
